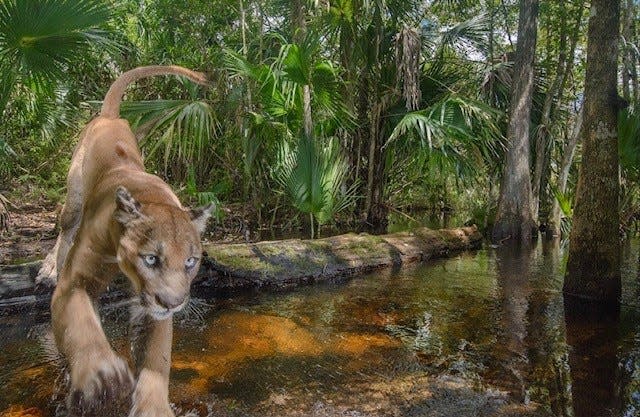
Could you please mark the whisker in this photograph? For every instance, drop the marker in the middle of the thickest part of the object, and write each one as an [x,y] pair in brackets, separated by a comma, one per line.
[194,312]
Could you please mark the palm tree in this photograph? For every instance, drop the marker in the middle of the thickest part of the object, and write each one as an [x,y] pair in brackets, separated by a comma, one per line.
[184,131]
[282,90]
[41,39]
[383,47]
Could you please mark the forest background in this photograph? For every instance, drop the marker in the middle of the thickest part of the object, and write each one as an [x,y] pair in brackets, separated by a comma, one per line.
[320,112]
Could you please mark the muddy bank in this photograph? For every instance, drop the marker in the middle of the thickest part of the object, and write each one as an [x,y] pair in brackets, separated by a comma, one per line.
[273,265]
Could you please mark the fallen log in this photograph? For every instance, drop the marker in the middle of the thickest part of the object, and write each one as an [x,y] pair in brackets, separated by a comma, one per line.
[272,265]
[288,263]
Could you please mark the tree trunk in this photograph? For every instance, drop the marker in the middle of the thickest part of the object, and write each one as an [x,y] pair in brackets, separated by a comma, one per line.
[627,55]
[593,267]
[274,265]
[544,128]
[376,209]
[514,218]
[359,152]
[298,30]
[631,58]
[553,224]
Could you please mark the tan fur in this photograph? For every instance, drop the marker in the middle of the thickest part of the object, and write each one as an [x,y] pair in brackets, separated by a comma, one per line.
[116,218]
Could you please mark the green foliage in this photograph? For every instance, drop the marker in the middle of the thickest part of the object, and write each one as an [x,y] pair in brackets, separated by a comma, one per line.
[565,202]
[629,143]
[314,177]
[202,197]
[183,129]
[41,39]
[455,135]
[233,141]
[629,153]
[45,49]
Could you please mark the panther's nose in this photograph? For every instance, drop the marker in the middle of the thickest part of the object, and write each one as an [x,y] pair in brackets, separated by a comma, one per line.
[168,301]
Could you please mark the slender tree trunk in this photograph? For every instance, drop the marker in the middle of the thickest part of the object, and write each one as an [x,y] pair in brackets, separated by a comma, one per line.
[627,55]
[542,167]
[4,215]
[630,57]
[306,110]
[376,209]
[553,228]
[553,224]
[544,128]
[492,15]
[298,30]
[250,181]
[514,218]
[361,137]
[593,267]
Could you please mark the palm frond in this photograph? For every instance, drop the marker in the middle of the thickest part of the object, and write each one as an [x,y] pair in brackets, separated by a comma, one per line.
[40,39]
[629,142]
[328,100]
[565,201]
[467,36]
[185,128]
[457,133]
[313,176]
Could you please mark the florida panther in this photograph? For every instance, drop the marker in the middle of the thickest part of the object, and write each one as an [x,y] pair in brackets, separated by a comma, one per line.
[119,218]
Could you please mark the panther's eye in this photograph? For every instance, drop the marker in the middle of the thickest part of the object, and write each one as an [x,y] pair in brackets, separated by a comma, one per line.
[191,262]
[150,260]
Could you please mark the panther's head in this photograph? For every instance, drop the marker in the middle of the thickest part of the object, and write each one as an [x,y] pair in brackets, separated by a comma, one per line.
[159,251]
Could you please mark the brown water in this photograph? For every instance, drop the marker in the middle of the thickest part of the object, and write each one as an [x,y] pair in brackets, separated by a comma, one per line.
[481,334]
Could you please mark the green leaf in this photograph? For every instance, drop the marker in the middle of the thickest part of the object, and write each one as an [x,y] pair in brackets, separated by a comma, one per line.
[185,128]
[40,39]
[629,142]
[313,175]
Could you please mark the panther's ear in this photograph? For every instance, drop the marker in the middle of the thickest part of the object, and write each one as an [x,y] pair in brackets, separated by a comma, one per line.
[127,208]
[200,215]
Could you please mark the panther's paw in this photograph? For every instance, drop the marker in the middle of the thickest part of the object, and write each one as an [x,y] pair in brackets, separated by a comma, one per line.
[150,398]
[150,408]
[99,381]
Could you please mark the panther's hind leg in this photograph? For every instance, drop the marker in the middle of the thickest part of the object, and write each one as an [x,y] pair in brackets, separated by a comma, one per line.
[70,217]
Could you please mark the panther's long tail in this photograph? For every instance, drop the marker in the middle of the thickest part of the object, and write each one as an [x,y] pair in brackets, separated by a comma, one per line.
[111,104]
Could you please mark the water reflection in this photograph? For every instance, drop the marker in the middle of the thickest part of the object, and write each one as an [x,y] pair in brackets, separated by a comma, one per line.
[513,265]
[593,359]
[482,334]
[548,351]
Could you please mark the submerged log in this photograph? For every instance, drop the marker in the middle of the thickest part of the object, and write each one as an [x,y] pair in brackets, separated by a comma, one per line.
[273,265]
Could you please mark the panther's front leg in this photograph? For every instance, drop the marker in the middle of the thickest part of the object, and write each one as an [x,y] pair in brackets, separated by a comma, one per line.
[153,356]
[99,377]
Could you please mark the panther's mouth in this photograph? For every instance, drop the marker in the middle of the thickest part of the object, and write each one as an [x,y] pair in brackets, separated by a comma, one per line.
[156,311]
[160,315]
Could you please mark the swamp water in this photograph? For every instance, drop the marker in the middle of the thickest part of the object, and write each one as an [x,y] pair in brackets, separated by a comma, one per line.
[480,334]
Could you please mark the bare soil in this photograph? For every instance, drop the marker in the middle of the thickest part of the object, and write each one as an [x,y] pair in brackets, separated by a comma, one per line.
[32,233]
